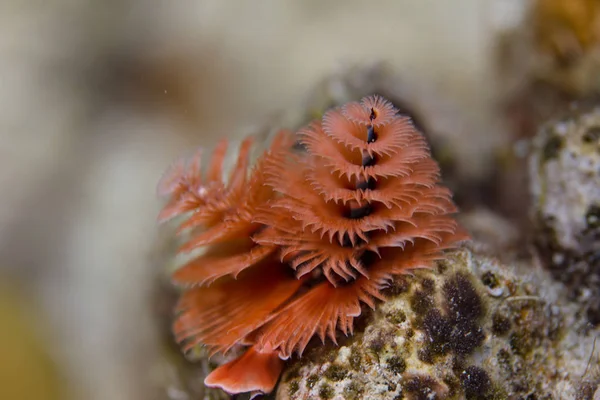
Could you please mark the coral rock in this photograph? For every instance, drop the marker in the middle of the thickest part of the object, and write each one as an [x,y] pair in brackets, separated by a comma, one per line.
[471,328]
[565,183]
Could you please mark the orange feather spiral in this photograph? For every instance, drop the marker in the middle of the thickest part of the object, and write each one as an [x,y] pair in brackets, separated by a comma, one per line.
[294,248]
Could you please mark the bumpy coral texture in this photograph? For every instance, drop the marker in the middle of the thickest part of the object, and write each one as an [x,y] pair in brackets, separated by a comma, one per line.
[295,248]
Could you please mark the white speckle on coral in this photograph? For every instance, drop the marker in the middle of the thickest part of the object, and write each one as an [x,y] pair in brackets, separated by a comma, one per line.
[400,340]
[343,355]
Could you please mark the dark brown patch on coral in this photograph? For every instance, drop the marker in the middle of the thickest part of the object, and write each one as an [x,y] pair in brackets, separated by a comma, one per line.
[439,330]
[428,285]
[442,266]
[463,303]
[326,391]
[500,323]
[335,372]
[377,344]
[457,328]
[490,280]
[423,387]
[397,287]
[396,364]
[475,382]
[353,391]
[421,302]
[552,148]
[592,220]
[355,359]
[586,391]
[311,381]
[293,387]
[396,316]
[592,135]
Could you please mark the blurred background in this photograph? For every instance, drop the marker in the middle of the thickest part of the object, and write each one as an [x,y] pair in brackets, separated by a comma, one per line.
[97,98]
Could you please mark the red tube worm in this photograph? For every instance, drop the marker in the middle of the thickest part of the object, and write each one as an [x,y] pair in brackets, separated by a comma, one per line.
[296,247]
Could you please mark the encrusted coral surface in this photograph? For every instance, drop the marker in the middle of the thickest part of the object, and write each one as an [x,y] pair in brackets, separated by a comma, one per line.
[470,328]
[565,184]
